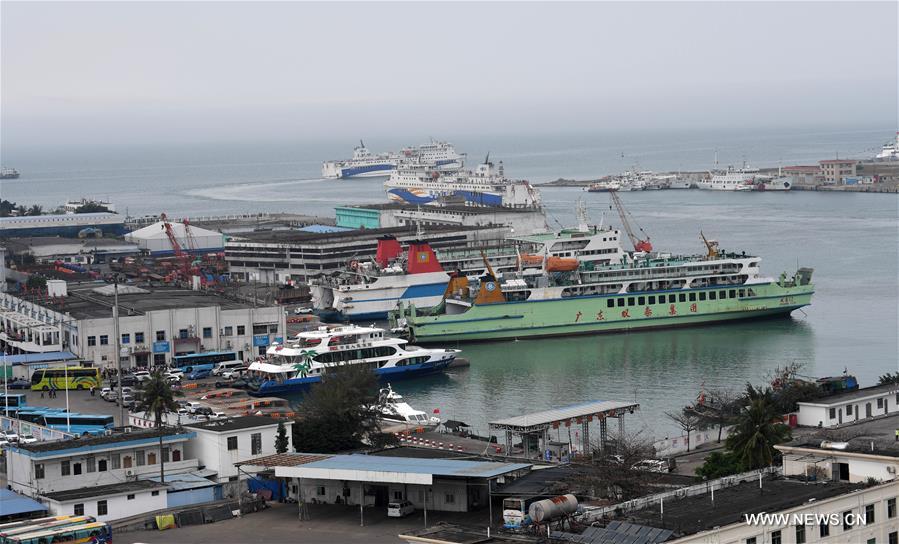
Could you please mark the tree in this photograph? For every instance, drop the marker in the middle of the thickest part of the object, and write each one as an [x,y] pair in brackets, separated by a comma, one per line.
[157,397]
[281,439]
[687,422]
[6,208]
[889,379]
[35,209]
[36,282]
[718,408]
[719,464]
[340,413]
[91,207]
[757,430]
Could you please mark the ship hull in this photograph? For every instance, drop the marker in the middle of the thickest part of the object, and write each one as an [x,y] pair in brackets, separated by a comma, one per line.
[374,301]
[592,315]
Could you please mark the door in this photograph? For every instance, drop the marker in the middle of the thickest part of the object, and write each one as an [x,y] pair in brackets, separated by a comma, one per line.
[868,409]
[840,415]
[381,493]
[843,472]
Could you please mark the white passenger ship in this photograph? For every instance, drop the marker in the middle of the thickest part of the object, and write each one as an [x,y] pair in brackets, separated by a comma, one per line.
[293,367]
[438,155]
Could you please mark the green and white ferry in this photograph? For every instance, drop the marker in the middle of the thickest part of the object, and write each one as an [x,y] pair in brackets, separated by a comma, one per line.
[642,290]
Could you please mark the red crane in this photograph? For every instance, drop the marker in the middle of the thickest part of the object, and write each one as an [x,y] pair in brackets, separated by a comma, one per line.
[189,235]
[180,255]
[639,244]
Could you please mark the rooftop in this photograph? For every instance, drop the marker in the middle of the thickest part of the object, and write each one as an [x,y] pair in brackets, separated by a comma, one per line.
[184,482]
[694,514]
[284,460]
[571,413]
[15,504]
[104,490]
[83,302]
[300,237]
[871,436]
[861,393]
[234,424]
[451,209]
[48,357]
[50,447]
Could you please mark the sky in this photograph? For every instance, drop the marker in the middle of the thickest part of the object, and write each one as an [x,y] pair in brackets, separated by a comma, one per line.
[108,73]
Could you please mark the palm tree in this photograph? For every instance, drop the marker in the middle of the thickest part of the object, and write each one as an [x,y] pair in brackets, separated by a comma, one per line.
[757,430]
[157,397]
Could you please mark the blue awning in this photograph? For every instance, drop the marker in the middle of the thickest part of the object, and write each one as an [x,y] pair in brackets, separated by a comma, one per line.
[13,504]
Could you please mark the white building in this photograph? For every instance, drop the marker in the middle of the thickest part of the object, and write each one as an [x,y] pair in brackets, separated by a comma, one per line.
[153,238]
[220,443]
[155,324]
[109,502]
[850,407]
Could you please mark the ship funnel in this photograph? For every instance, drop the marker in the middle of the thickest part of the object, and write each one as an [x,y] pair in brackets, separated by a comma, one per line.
[388,250]
[422,259]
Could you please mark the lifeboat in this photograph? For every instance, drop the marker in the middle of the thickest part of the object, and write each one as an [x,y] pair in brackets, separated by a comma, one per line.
[561,264]
[529,259]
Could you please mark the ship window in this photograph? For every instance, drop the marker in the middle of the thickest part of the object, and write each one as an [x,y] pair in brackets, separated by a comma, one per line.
[620,302]
[713,295]
[692,297]
[742,293]
[733,293]
[641,301]
[630,301]
[610,303]
[702,296]
[682,297]
[722,295]
[652,299]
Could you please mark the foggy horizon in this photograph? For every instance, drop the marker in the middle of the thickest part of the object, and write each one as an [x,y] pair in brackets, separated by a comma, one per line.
[85,74]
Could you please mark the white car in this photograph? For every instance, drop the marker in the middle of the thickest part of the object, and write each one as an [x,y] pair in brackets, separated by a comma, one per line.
[301,311]
[651,465]
[233,373]
[399,509]
[4,442]
[141,375]
[27,439]
[172,378]
[11,436]
[105,392]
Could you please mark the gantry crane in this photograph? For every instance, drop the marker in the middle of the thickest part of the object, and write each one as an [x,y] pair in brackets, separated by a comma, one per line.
[638,243]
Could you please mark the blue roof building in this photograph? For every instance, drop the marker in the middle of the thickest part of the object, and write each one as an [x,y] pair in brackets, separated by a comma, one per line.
[14,507]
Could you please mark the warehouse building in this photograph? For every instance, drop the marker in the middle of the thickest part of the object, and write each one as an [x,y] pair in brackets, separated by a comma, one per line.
[154,239]
[521,221]
[107,224]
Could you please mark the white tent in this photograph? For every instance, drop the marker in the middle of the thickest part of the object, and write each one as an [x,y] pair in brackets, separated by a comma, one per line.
[154,238]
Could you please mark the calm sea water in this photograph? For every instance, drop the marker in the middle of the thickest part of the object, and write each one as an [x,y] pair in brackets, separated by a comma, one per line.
[849,239]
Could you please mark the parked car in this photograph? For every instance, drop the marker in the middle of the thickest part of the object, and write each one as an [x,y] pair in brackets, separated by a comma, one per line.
[20,383]
[192,407]
[27,439]
[201,417]
[399,509]
[141,375]
[175,372]
[651,465]
[301,311]
[11,436]
[225,366]
[199,374]
[218,415]
[233,373]
[172,378]
[105,392]
[130,381]
[3,443]
[183,413]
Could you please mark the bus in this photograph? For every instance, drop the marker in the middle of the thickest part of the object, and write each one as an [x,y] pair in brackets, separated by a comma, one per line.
[43,524]
[97,532]
[12,401]
[79,377]
[4,527]
[202,361]
[78,423]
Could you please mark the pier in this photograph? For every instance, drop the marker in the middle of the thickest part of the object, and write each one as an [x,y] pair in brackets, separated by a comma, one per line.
[538,424]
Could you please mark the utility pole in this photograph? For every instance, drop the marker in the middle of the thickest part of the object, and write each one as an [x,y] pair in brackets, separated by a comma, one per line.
[118,349]
[161,459]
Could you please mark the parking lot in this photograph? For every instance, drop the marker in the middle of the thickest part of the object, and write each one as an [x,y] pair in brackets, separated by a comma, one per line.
[327,524]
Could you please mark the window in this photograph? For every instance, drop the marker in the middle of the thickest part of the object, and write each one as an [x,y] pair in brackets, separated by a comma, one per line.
[79,509]
[880,403]
[255,443]
[733,293]
[800,534]
[891,508]
[102,465]
[630,301]
[102,508]
[610,303]
[450,498]
[742,293]
[104,340]
[232,443]
[91,464]
[38,471]
[273,329]
[869,513]
[692,297]
[848,410]
[138,337]
[229,331]
[115,460]
[751,540]
[182,333]
[712,295]
[176,455]
[126,462]
[207,332]
[397,495]
[76,469]
[241,330]
[701,298]
[652,299]
[893,537]
[151,458]
[126,338]
[620,302]
[65,468]
[130,497]
[260,329]
[824,529]
[165,455]
[91,340]
[141,458]
[682,297]
[833,413]
[872,541]
[160,336]
[775,537]
[846,524]
[320,491]
[641,301]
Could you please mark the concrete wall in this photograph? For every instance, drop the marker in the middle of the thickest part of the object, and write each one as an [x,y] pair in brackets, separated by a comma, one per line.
[861,467]
[813,415]
[444,495]
[190,496]
[118,507]
[211,448]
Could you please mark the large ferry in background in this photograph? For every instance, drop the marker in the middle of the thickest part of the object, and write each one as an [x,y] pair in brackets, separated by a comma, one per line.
[487,185]
[438,155]
[296,365]
[890,151]
[9,173]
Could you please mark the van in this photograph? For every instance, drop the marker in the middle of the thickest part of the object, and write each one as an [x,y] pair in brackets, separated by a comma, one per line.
[193,406]
[399,509]
[226,365]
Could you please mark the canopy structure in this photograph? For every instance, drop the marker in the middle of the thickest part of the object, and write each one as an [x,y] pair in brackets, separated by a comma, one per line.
[15,506]
[539,423]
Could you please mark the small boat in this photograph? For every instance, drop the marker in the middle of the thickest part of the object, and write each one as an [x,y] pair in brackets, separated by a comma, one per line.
[395,410]
[9,173]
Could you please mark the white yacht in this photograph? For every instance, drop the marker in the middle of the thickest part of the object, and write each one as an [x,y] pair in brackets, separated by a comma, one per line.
[396,410]
[436,155]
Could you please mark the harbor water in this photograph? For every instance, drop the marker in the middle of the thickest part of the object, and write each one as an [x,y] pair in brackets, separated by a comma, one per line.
[849,239]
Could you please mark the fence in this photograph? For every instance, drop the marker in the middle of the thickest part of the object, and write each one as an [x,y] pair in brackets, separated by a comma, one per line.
[593,514]
[678,444]
[38,431]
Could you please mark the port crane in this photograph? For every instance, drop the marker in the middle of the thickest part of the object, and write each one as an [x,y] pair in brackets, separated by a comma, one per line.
[181,256]
[638,243]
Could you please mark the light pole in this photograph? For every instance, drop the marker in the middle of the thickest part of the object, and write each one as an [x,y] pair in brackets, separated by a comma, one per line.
[118,349]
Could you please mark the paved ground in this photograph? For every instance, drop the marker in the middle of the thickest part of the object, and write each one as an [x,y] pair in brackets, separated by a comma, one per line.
[331,524]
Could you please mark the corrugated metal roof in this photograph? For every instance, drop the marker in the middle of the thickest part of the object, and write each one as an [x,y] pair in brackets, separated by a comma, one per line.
[11,503]
[284,460]
[412,465]
[26,358]
[323,229]
[564,413]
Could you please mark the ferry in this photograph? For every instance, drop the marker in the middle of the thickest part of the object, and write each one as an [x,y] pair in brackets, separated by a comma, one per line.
[645,290]
[295,366]
[396,410]
[368,290]
[437,155]
[890,151]
[487,185]
[9,173]
[732,180]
